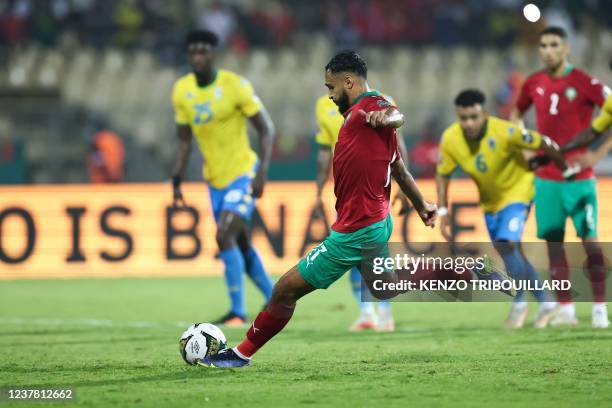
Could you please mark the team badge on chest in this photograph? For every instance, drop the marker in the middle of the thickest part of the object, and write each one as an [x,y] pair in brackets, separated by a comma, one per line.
[571,93]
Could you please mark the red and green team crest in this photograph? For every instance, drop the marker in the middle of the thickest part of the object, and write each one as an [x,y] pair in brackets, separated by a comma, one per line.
[571,93]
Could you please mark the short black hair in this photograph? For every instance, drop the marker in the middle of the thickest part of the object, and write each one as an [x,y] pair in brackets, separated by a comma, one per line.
[554,30]
[470,97]
[348,61]
[201,36]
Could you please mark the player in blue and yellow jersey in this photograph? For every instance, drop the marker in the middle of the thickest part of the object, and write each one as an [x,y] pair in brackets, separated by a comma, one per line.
[489,150]
[213,106]
[330,120]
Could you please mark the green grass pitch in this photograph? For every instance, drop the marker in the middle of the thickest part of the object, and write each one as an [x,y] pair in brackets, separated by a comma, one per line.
[115,341]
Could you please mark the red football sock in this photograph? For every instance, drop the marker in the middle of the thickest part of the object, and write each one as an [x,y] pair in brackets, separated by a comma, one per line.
[597,274]
[559,270]
[267,324]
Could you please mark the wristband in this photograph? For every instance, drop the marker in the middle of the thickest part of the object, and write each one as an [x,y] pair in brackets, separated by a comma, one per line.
[442,211]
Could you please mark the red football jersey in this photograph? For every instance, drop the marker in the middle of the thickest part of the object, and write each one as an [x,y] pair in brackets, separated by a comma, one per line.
[564,107]
[362,166]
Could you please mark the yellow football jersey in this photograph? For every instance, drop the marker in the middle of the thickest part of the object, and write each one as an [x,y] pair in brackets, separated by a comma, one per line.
[330,120]
[495,162]
[217,114]
[603,121]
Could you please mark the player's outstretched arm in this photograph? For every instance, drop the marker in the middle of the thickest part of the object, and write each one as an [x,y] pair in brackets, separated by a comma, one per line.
[584,138]
[591,158]
[267,132]
[324,158]
[183,134]
[426,210]
[552,150]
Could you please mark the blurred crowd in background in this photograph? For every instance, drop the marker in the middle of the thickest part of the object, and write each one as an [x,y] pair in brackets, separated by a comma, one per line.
[53,49]
[242,24]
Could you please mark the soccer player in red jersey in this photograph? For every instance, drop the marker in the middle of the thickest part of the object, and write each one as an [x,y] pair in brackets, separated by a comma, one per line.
[365,158]
[564,98]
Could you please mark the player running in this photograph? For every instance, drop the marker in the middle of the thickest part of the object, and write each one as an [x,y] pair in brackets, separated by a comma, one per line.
[330,120]
[365,158]
[489,150]
[213,106]
[564,98]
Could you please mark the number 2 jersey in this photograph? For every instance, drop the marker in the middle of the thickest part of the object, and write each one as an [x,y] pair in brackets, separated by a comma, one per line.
[362,166]
[564,108]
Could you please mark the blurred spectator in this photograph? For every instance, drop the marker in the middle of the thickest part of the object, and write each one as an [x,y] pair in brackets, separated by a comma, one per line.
[424,154]
[272,23]
[508,92]
[219,19]
[105,159]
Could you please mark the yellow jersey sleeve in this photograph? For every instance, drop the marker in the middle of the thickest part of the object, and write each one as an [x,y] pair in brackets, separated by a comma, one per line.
[248,103]
[181,116]
[525,138]
[324,136]
[603,121]
[446,163]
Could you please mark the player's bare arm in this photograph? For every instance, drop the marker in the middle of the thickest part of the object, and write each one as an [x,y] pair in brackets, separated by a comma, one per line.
[584,138]
[183,134]
[442,183]
[265,129]
[551,149]
[517,117]
[592,157]
[426,210]
[324,159]
[399,196]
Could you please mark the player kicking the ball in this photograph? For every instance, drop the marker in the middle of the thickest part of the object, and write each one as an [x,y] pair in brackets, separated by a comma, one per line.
[330,121]
[213,105]
[489,150]
[365,158]
[564,98]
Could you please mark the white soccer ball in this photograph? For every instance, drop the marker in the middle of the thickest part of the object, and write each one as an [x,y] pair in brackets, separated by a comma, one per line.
[201,340]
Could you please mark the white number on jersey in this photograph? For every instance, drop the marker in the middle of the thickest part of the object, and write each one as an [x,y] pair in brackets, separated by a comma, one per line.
[554,103]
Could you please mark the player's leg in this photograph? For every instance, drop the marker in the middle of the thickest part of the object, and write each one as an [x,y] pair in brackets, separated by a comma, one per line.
[583,204]
[367,315]
[254,265]
[290,287]
[551,214]
[229,227]
[321,267]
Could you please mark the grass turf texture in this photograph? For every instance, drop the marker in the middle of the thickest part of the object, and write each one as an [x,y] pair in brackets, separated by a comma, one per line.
[116,342]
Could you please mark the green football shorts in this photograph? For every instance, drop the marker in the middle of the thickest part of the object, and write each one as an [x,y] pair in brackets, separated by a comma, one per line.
[327,262]
[557,200]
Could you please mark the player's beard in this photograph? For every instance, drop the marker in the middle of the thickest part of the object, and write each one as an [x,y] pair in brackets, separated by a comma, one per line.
[343,103]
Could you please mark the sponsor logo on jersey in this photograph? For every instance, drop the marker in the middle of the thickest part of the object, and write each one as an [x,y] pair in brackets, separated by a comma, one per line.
[491,143]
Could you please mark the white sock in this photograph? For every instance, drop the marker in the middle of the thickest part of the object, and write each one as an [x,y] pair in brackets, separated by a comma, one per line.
[548,305]
[519,305]
[366,307]
[600,307]
[568,308]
